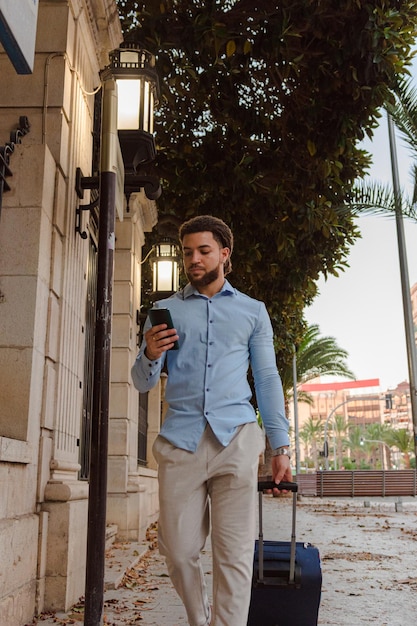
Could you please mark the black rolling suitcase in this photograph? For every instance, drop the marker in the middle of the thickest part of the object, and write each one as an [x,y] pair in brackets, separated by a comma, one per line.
[286,584]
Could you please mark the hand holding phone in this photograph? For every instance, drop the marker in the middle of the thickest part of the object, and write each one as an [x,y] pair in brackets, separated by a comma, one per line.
[162,316]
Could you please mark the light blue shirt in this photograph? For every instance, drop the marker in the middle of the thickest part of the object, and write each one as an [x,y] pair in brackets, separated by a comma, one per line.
[207,377]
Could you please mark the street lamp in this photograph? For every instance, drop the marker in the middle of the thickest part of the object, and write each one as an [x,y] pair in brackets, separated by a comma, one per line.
[383,443]
[130,64]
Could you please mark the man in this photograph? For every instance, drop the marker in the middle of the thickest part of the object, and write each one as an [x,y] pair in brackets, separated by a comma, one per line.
[209,445]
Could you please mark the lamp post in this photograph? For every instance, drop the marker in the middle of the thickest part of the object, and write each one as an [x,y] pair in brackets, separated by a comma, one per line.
[111,184]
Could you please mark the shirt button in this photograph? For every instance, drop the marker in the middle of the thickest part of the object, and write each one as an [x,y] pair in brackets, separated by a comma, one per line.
[209,365]
[207,389]
[211,343]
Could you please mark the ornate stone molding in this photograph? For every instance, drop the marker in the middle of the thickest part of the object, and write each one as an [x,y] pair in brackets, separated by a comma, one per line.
[143,211]
[105,24]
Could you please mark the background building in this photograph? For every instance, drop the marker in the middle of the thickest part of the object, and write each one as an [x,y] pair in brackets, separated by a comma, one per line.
[339,411]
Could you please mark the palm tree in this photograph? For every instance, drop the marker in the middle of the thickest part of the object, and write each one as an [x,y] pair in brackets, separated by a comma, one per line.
[340,427]
[312,433]
[354,442]
[376,198]
[403,440]
[373,197]
[305,438]
[403,111]
[375,444]
[316,356]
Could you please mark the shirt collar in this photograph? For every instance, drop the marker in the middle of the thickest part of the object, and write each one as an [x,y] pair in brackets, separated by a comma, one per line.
[226,290]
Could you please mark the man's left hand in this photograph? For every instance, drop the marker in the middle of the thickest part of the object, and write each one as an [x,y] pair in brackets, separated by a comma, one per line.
[281,470]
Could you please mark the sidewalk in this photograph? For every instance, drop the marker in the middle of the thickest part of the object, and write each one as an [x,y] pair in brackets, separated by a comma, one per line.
[367,547]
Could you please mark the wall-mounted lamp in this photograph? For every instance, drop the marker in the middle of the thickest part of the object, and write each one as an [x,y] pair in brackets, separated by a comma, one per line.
[128,118]
[164,259]
[165,270]
[137,87]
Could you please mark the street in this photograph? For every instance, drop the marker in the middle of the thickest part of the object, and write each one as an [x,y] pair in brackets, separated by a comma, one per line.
[367,547]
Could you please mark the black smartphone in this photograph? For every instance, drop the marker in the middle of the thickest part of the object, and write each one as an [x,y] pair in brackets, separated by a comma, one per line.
[162,316]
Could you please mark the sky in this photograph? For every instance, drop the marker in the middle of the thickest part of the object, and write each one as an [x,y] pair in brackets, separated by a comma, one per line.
[362,308]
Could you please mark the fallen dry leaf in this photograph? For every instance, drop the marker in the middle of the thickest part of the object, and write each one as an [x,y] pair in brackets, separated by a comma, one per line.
[356,556]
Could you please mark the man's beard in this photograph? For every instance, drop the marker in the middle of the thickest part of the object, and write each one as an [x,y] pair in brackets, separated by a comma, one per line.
[206,279]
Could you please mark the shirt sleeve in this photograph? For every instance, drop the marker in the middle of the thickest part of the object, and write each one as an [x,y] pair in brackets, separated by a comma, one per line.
[268,385]
[145,373]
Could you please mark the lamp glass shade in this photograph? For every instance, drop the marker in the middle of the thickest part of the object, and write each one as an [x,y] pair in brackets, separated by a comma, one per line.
[137,87]
[146,106]
[128,104]
[165,269]
[164,273]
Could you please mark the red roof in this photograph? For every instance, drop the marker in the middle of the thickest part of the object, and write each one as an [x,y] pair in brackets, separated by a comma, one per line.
[346,384]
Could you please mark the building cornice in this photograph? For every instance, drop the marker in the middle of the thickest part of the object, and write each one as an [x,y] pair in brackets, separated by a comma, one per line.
[105,24]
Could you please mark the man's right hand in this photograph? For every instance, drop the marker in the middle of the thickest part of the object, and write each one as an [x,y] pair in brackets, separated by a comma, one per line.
[159,339]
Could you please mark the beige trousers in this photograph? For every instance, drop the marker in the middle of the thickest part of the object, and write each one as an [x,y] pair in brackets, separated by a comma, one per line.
[215,487]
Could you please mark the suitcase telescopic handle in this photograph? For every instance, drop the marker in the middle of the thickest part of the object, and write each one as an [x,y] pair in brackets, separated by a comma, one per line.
[263,485]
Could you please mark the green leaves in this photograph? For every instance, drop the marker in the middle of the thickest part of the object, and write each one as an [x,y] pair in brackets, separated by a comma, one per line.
[263,105]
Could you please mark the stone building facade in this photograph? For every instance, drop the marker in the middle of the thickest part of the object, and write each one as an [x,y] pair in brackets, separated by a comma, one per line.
[47,299]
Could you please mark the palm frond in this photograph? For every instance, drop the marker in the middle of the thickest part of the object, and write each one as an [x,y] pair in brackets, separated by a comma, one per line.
[373,197]
[403,110]
[316,356]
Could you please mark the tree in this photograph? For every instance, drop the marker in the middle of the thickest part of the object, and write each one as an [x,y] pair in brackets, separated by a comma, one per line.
[262,106]
[354,443]
[403,440]
[312,434]
[340,428]
[374,197]
[375,440]
[315,356]
[403,111]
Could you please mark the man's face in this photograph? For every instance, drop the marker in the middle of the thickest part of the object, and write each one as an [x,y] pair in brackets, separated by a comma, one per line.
[203,259]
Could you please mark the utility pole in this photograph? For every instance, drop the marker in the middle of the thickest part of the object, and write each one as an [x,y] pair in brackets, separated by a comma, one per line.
[295,402]
[405,281]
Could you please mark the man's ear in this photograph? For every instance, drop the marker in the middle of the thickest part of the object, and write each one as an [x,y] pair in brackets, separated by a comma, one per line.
[225,254]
